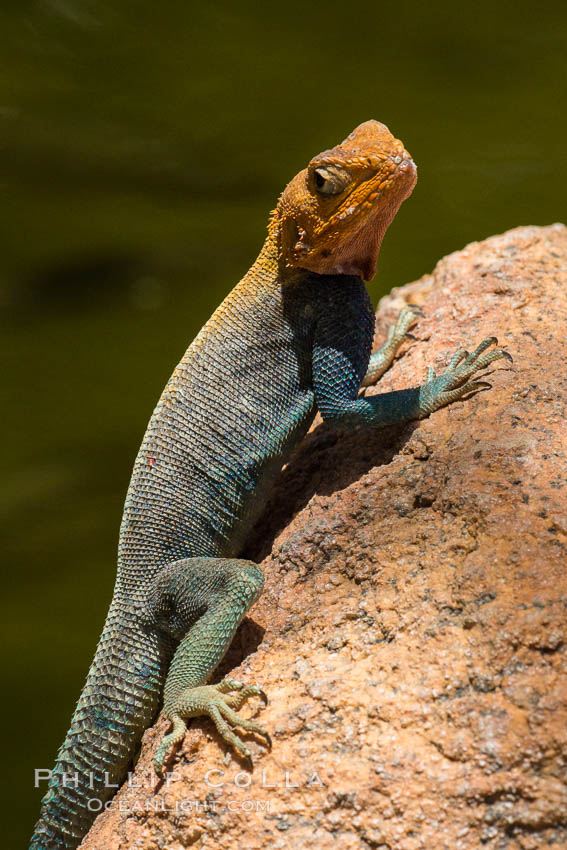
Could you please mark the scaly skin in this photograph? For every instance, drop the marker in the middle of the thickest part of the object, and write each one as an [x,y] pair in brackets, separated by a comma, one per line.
[292,337]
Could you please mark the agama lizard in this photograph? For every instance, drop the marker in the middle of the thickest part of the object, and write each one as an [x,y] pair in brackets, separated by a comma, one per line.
[293,337]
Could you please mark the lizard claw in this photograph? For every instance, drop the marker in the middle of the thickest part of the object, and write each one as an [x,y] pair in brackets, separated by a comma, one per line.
[235,685]
[406,319]
[416,309]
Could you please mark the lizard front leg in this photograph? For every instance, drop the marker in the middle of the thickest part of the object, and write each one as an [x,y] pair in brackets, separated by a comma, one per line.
[383,357]
[200,602]
[339,360]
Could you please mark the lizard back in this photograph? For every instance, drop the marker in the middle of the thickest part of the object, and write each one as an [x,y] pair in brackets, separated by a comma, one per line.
[240,398]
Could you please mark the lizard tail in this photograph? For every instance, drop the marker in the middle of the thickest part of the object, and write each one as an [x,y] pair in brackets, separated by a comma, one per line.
[119,701]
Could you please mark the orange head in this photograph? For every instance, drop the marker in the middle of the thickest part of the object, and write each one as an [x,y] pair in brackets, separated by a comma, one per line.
[332,217]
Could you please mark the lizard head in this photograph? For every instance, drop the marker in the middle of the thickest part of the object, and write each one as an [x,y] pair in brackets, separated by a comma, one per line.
[333,215]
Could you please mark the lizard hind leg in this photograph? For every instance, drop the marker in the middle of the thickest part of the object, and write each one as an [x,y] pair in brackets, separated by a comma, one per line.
[200,602]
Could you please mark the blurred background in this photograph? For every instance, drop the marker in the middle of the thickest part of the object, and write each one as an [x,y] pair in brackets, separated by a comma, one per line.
[142,146]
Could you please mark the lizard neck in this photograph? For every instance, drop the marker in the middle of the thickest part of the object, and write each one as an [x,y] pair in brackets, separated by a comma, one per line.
[269,264]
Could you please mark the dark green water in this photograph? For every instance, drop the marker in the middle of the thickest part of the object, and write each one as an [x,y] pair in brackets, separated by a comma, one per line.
[141,148]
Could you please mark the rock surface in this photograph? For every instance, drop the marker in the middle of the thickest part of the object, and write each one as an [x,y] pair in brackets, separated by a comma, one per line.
[412,632]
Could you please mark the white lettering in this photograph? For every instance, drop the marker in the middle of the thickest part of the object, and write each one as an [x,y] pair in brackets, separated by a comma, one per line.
[41,774]
[208,777]
[288,782]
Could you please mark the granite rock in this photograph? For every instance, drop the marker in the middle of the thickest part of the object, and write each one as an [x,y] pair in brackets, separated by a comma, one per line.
[412,633]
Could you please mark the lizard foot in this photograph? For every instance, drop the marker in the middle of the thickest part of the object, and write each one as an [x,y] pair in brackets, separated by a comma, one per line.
[221,703]
[454,382]
[407,318]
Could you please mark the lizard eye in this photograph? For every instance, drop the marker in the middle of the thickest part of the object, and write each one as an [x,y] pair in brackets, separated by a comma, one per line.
[330,180]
